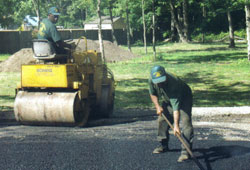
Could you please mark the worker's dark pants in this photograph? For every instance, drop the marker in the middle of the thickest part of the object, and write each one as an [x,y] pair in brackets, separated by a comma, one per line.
[185,123]
[61,51]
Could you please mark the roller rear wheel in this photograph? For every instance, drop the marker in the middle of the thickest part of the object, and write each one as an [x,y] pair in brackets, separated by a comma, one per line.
[107,102]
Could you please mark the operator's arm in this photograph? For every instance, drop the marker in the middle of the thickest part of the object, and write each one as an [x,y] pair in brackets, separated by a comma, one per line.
[56,37]
[158,108]
[175,99]
[61,44]
[154,97]
[176,122]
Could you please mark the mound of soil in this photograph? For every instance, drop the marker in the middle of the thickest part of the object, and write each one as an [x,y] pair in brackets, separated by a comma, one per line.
[14,62]
[112,52]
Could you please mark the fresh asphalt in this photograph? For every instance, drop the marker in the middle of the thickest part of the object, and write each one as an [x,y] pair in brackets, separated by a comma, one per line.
[118,144]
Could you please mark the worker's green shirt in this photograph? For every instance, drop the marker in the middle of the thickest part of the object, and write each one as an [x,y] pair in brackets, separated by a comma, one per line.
[48,31]
[174,91]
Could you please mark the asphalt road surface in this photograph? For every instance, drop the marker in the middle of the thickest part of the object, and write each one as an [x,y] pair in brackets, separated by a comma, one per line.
[124,142]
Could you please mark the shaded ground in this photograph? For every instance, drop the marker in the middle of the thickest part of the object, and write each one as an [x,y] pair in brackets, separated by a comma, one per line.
[112,52]
[133,115]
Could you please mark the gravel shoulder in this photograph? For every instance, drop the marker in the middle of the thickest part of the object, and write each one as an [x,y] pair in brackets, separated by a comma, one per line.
[204,113]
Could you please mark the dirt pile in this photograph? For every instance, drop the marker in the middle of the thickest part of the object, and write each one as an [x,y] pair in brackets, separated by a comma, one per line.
[14,62]
[112,52]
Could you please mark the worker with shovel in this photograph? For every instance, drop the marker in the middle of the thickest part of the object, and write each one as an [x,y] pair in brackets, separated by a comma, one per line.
[176,106]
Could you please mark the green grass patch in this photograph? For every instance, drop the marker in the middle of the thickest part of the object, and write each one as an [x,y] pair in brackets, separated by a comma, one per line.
[7,89]
[218,75]
[4,57]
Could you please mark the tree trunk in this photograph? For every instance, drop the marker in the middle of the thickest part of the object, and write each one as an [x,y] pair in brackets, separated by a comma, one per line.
[112,24]
[185,20]
[179,16]
[83,15]
[204,15]
[173,30]
[176,23]
[128,27]
[247,9]
[144,28]
[86,13]
[37,8]
[231,31]
[100,30]
[153,39]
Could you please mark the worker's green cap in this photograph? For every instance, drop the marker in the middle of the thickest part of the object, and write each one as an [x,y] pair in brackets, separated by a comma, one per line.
[54,11]
[158,74]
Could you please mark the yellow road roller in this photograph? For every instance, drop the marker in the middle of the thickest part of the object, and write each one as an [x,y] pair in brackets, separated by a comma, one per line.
[55,91]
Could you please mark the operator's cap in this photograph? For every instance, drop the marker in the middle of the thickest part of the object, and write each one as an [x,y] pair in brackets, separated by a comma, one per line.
[54,11]
[158,74]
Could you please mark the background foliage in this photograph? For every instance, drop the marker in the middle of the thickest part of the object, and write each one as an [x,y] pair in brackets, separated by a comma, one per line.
[75,12]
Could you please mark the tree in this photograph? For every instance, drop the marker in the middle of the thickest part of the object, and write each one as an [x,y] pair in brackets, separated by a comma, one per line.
[185,20]
[82,10]
[227,6]
[100,30]
[6,12]
[204,16]
[37,8]
[247,9]
[144,26]
[112,22]
[153,29]
[177,23]
[231,30]
[128,26]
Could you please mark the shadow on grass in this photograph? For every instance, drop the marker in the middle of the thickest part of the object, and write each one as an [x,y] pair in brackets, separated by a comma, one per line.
[133,93]
[206,58]
[207,49]
[5,97]
[218,94]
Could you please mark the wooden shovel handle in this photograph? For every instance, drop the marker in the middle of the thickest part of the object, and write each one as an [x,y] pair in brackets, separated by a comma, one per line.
[184,144]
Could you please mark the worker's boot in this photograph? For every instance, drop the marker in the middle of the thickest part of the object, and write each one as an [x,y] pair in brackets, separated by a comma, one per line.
[162,148]
[183,157]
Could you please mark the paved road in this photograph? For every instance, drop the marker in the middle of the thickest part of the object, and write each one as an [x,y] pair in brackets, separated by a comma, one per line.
[122,143]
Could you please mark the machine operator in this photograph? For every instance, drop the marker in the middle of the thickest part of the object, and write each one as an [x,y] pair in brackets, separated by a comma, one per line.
[49,32]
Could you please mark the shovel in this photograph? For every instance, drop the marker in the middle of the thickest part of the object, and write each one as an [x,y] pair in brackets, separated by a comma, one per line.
[184,144]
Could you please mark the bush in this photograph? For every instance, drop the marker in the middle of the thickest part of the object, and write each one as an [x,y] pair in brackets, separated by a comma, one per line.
[241,33]
[209,37]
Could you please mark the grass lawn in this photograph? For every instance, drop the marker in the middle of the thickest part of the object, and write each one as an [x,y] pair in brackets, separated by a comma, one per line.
[218,76]
[8,83]
[3,57]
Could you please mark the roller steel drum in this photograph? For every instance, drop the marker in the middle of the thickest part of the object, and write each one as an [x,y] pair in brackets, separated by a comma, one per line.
[50,108]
